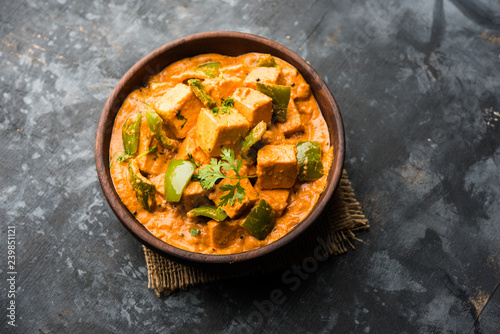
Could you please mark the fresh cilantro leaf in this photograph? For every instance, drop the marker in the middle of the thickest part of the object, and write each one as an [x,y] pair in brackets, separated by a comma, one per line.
[228,156]
[229,102]
[239,163]
[124,157]
[221,110]
[240,192]
[194,231]
[181,118]
[152,149]
[111,160]
[225,106]
[229,197]
[211,173]
[190,156]
[235,193]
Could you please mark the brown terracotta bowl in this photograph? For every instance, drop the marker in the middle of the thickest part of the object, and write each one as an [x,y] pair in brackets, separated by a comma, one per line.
[231,44]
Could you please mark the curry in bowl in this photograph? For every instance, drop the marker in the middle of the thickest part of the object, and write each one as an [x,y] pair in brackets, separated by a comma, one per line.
[220,154]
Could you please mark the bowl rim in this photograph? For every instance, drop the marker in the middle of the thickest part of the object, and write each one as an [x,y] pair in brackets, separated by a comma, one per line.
[123,88]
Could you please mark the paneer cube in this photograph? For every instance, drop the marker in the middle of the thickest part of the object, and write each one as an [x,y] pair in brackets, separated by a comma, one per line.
[293,122]
[158,89]
[222,234]
[305,107]
[238,208]
[301,91]
[194,196]
[268,75]
[190,148]
[215,131]
[237,70]
[277,166]
[179,108]
[254,105]
[220,88]
[277,198]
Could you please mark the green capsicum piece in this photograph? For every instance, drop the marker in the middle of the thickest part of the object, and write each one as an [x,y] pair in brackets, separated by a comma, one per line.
[266,61]
[209,211]
[211,69]
[201,93]
[260,221]
[144,190]
[155,123]
[309,160]
[130,134]
[280,95]
[177,177]
[248,151]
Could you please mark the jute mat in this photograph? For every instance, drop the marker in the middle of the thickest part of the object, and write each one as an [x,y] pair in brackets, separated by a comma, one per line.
[331,235]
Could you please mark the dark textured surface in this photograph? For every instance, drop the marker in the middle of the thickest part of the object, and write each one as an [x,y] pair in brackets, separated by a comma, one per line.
[418,85]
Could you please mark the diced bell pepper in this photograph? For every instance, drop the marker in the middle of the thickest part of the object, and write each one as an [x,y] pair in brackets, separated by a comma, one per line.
[309,160]
[155,124]
[144,190]
[248,150]
[130,134]
[209,211]
[260,221]
[281,97]
[177,177]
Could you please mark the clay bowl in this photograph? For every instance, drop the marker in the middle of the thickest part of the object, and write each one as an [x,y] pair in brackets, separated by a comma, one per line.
[231,44]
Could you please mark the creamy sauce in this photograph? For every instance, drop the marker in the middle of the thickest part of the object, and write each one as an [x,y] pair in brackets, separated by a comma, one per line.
[169,221]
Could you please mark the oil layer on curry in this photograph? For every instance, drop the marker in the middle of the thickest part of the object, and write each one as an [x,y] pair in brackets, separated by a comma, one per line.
[221,154]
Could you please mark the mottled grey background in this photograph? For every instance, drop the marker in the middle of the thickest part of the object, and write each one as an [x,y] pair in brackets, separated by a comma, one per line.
[418,84]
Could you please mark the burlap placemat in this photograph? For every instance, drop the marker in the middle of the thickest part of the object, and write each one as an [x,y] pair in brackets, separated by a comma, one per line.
[329,236]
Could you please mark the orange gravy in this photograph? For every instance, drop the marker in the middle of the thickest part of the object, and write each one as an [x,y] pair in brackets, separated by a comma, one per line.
[169,221]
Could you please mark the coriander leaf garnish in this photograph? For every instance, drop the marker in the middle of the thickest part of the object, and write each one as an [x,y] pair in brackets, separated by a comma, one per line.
[221,110]
[228,102]
[225,106]
[111,160]
[152,149]
[181,118]
[235,192]
[194,231]
[190,156]
[124,157]
[211,173]
[229,157]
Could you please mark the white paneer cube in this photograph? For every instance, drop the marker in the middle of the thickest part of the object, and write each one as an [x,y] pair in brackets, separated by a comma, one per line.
[179,108]
[215,131]
[253,105]
[267,75]
[220,88]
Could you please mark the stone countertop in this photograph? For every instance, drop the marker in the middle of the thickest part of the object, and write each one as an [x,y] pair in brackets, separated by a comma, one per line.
[418,86]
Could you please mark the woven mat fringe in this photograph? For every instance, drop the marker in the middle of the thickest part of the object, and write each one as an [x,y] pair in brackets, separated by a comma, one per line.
[334,233]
